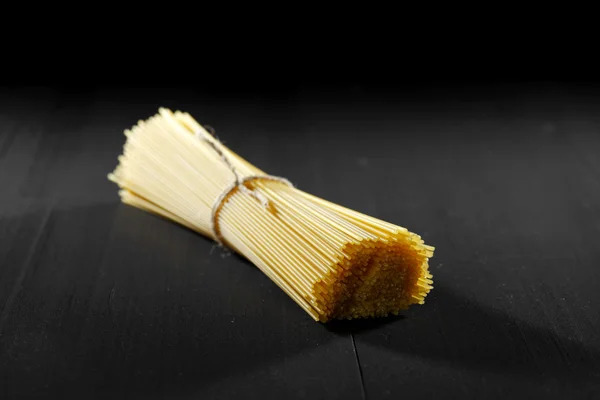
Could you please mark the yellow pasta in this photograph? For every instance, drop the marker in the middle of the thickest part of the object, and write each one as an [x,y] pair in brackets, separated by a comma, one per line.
[334,262]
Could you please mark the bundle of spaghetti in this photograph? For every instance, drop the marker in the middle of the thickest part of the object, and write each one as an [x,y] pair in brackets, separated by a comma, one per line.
[334,262]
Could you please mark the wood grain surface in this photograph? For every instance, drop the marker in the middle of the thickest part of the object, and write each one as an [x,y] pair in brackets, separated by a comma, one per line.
[100,300]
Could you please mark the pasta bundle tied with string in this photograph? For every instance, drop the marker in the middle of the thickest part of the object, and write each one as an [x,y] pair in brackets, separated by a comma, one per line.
[334,262]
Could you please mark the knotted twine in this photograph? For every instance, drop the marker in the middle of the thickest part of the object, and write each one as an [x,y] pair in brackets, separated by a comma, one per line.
[238,183]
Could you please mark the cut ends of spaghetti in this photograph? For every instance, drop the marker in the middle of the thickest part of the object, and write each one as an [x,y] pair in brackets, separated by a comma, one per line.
[334,262]
[381,278]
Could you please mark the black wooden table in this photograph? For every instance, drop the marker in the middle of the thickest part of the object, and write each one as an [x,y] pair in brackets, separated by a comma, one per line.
[100,300]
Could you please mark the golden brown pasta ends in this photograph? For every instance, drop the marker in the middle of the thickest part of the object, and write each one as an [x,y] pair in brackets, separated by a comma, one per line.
[334,262]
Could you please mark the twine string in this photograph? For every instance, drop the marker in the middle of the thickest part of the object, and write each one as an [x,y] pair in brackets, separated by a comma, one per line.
[238,183]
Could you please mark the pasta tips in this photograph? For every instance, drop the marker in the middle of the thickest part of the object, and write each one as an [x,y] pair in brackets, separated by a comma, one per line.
[334,262]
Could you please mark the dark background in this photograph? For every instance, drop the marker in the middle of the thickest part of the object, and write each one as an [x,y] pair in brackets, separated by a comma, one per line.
[98,299]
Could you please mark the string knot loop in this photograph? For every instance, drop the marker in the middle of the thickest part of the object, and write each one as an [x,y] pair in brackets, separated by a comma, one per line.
[239,183]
